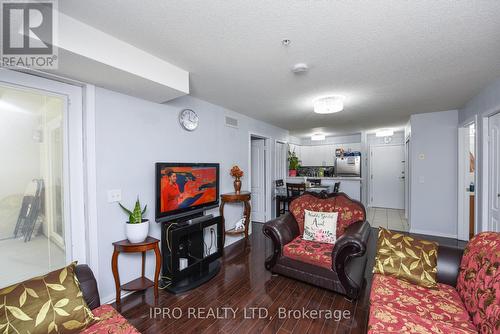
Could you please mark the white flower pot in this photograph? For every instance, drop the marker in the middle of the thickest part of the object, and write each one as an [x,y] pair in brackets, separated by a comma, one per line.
[137,233]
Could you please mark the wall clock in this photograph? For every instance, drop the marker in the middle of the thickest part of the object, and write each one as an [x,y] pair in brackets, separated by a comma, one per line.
[188,119]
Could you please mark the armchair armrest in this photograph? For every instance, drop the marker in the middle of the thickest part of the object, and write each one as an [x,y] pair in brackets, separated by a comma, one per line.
[281,231]
[88,285]
[352,244]
[448,264]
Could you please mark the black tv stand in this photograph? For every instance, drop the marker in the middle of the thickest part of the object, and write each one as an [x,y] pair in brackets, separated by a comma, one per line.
[184,238]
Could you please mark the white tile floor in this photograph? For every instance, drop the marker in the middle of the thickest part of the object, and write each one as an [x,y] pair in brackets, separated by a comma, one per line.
[28,259]
[389,218]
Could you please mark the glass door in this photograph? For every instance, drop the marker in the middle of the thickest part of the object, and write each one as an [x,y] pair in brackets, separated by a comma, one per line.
[35,143]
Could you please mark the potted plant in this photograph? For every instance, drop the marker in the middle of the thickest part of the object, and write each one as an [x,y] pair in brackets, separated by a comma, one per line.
[237,173]
[293,163]
[137,228]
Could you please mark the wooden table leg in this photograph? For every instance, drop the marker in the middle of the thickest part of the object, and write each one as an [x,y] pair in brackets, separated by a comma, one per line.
[157,270]
[248,211]
[116,275]
[221,213]
[143,264]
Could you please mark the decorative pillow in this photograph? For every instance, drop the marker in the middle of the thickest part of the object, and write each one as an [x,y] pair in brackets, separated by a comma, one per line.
[45,304]
[320,226]
[406,258]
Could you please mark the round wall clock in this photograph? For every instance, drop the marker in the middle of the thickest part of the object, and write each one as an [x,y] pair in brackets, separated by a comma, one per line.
[188,119]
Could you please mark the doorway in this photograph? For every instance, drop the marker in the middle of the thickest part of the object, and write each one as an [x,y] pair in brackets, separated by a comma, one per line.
[467,181]
[258,178]
[40,137]
[494,173]
[387,176]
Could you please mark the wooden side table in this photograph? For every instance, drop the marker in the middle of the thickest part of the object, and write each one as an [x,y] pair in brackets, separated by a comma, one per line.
[141,283]
[243,197]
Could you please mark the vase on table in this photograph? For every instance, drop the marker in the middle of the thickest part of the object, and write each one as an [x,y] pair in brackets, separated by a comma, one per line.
[237,185]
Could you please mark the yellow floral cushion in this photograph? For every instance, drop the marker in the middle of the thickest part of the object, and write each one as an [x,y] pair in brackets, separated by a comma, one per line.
[406,258]
[45,304]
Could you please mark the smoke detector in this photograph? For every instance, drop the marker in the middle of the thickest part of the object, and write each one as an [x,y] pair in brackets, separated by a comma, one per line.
[300,68]
[286,42]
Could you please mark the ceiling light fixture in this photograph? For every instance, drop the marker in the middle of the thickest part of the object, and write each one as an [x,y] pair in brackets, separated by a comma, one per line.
[286,42]
[329,104]
[318,136]
[300,68]
[384,133]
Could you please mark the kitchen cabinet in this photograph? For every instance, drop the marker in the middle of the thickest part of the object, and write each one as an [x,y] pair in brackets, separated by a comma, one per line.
[317,155]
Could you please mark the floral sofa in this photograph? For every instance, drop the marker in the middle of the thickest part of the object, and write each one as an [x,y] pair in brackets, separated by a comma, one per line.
[338,267]
[467,299]
[110,321]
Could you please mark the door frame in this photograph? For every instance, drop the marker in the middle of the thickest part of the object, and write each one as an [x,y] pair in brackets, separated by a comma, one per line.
[370,180]
[267,170]
[463,218]
[485,192]
[84,191]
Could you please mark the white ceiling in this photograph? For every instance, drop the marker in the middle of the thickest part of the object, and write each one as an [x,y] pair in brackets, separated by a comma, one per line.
[389,58]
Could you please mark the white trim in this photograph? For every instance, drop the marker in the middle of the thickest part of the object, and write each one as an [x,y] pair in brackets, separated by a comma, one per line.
[110,299]
[91,179]
[485,196]
[463,209]
[433,233]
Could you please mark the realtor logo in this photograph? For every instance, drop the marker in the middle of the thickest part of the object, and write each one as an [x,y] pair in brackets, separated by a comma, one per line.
[28,31]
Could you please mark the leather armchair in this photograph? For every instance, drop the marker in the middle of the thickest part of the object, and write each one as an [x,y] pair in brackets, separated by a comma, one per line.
[348,257]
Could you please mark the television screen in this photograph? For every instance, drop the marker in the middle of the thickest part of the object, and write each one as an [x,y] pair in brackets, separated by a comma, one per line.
[182,188]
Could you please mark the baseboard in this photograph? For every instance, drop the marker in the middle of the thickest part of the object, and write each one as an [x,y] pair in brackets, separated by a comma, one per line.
[434,234]
[112,298]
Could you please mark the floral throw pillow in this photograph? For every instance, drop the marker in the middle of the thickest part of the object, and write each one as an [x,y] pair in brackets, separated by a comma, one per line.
[406,258]
[320,226]
[52,303]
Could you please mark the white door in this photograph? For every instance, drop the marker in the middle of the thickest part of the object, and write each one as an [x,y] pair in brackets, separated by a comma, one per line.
[387,176]
[494,174]
[258,178]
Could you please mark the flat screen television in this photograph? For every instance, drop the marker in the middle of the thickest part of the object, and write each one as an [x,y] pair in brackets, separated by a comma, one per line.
[184,189]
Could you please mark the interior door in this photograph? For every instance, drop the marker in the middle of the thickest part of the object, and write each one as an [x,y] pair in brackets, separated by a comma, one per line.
[494,173]
[258,156]
[387,176]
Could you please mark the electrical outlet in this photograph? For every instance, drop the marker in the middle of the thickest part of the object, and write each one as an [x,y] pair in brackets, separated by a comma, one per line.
[114,195]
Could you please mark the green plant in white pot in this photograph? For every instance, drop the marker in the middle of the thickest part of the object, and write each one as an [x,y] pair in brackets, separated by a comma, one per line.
[137,228]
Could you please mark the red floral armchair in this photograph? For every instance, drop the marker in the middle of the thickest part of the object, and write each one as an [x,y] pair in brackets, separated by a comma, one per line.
[338,267]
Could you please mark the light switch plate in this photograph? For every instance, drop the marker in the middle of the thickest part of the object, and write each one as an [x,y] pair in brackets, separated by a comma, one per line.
[114,195]
[421,156]
[421,179]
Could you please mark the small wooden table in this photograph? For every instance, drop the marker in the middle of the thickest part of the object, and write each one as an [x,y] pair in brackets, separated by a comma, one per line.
[243,197]
[141,283]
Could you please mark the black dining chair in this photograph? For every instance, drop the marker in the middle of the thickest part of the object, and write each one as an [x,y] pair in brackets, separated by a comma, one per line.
[315,182]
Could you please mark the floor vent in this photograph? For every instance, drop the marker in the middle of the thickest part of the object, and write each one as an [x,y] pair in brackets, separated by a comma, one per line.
[232,122]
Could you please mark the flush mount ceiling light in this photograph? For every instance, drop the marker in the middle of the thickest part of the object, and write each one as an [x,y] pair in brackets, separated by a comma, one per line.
[384,133]
[318,136]
[286,42]
[300,68]
[329,104]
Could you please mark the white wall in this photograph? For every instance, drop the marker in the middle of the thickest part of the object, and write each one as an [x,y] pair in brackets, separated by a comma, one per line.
[434,178]
[131,135]
[486,103]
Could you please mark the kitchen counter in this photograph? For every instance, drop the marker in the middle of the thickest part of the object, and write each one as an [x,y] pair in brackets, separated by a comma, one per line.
[351,185]
[355,178]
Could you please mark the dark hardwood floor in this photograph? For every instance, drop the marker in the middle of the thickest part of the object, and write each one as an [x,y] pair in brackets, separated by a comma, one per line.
[242,284]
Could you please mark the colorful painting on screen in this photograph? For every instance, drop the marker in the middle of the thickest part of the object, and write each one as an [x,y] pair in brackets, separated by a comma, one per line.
[183,187]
